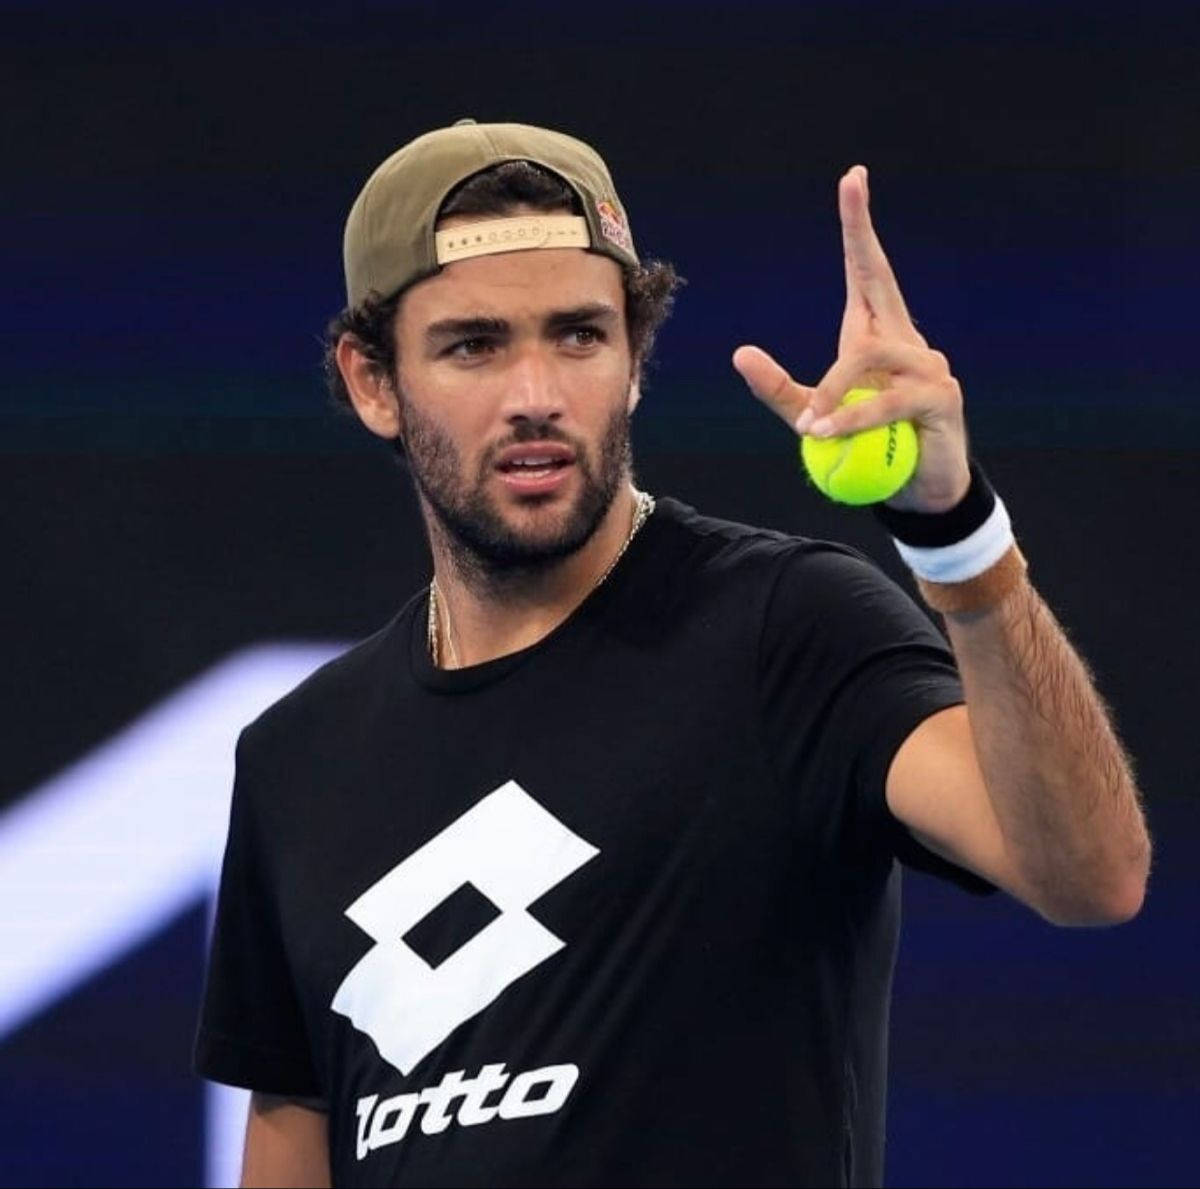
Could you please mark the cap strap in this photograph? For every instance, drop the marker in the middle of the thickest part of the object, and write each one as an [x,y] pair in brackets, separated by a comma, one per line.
[511,235]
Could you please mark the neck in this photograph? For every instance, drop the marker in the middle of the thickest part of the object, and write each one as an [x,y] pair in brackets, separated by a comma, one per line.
[492,614]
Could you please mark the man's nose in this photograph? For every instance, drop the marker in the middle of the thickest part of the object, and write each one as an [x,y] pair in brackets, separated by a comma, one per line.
[532,389]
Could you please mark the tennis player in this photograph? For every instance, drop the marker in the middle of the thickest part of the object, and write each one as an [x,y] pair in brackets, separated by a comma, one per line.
[584,869]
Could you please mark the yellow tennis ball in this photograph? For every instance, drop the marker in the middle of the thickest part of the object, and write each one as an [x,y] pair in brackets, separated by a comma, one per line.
[866,467]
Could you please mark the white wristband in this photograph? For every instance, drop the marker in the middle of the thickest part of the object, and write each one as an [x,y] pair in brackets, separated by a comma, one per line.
[964,559]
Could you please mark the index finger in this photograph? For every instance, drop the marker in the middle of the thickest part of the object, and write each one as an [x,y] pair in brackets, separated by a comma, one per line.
[771,383]
[869,276]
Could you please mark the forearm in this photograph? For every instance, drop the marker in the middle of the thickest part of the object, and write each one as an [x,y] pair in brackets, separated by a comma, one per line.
[1060,783]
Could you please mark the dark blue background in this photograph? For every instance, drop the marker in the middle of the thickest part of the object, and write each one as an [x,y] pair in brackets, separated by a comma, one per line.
[174,486]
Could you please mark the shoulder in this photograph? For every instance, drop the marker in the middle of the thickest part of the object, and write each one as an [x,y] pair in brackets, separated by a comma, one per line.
[707,546]
[340,690]
[788,593]
[743,587]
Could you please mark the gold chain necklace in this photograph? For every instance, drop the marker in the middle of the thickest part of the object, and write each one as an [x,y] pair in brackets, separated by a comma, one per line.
[643,506]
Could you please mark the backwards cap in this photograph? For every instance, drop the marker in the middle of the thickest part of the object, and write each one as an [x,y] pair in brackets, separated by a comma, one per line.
[390,238]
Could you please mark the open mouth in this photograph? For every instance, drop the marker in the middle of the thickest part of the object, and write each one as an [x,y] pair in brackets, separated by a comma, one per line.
[533,468]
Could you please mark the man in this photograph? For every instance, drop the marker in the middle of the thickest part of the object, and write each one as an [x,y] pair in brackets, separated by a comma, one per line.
[582,871]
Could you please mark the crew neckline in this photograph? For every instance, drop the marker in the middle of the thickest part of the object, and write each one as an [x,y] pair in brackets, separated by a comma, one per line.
[474,677]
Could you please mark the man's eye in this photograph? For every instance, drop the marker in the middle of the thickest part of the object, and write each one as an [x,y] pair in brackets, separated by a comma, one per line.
[584,336]
[470,348]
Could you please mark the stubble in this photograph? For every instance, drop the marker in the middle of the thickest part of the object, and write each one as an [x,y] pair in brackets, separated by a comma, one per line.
[484,547]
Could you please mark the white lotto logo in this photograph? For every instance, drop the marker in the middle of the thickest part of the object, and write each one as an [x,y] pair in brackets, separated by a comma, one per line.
[535,1092]
[510,849]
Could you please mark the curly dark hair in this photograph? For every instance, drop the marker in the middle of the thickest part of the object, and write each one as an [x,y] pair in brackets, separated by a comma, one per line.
[649,288]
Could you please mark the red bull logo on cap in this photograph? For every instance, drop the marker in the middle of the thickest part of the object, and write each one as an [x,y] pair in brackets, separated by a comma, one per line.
[613,226]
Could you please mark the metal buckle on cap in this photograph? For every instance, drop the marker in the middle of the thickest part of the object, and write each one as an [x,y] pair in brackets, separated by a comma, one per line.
[511,235]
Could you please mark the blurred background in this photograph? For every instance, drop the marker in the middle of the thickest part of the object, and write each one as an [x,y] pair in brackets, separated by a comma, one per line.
[190,529]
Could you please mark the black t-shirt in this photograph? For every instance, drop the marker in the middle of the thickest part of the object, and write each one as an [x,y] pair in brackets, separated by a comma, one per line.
[618,909]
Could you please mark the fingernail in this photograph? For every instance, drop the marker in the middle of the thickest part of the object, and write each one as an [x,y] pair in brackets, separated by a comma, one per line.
[804,420]
[821,429]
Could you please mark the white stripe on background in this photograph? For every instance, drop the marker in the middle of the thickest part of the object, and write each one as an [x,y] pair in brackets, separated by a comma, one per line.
[111,850]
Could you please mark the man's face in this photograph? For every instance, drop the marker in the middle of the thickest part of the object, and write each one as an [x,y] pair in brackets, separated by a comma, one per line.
[515,391]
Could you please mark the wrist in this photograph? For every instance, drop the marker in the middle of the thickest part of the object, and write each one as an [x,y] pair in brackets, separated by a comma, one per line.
[964,559]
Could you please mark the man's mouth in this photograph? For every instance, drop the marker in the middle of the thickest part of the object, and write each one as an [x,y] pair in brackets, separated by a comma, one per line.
[535,466]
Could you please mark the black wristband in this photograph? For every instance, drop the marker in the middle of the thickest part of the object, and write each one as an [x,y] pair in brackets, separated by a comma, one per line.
[932,530]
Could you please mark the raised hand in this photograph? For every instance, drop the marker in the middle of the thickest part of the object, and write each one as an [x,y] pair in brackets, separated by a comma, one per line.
[880,347]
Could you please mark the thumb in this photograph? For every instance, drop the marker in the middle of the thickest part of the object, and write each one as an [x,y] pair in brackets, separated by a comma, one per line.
[770,382]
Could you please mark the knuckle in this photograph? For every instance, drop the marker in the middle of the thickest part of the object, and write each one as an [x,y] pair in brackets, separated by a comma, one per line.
[888,405]
[779,388]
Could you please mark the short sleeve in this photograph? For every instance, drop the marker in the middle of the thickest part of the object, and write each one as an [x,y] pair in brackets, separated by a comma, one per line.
[251,1031]
[849,666]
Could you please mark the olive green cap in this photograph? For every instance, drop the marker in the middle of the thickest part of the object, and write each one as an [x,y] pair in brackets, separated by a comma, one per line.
[391,240]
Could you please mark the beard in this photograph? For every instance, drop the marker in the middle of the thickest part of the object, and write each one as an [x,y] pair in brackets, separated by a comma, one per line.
[481,542]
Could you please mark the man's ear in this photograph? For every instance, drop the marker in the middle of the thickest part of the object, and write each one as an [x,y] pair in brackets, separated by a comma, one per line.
[371,390]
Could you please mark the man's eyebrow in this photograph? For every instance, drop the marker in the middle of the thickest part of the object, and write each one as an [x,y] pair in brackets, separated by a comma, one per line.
[465,328]
[596,311]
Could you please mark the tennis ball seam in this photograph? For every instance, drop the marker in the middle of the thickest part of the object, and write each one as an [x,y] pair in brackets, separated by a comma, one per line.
[838,462]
